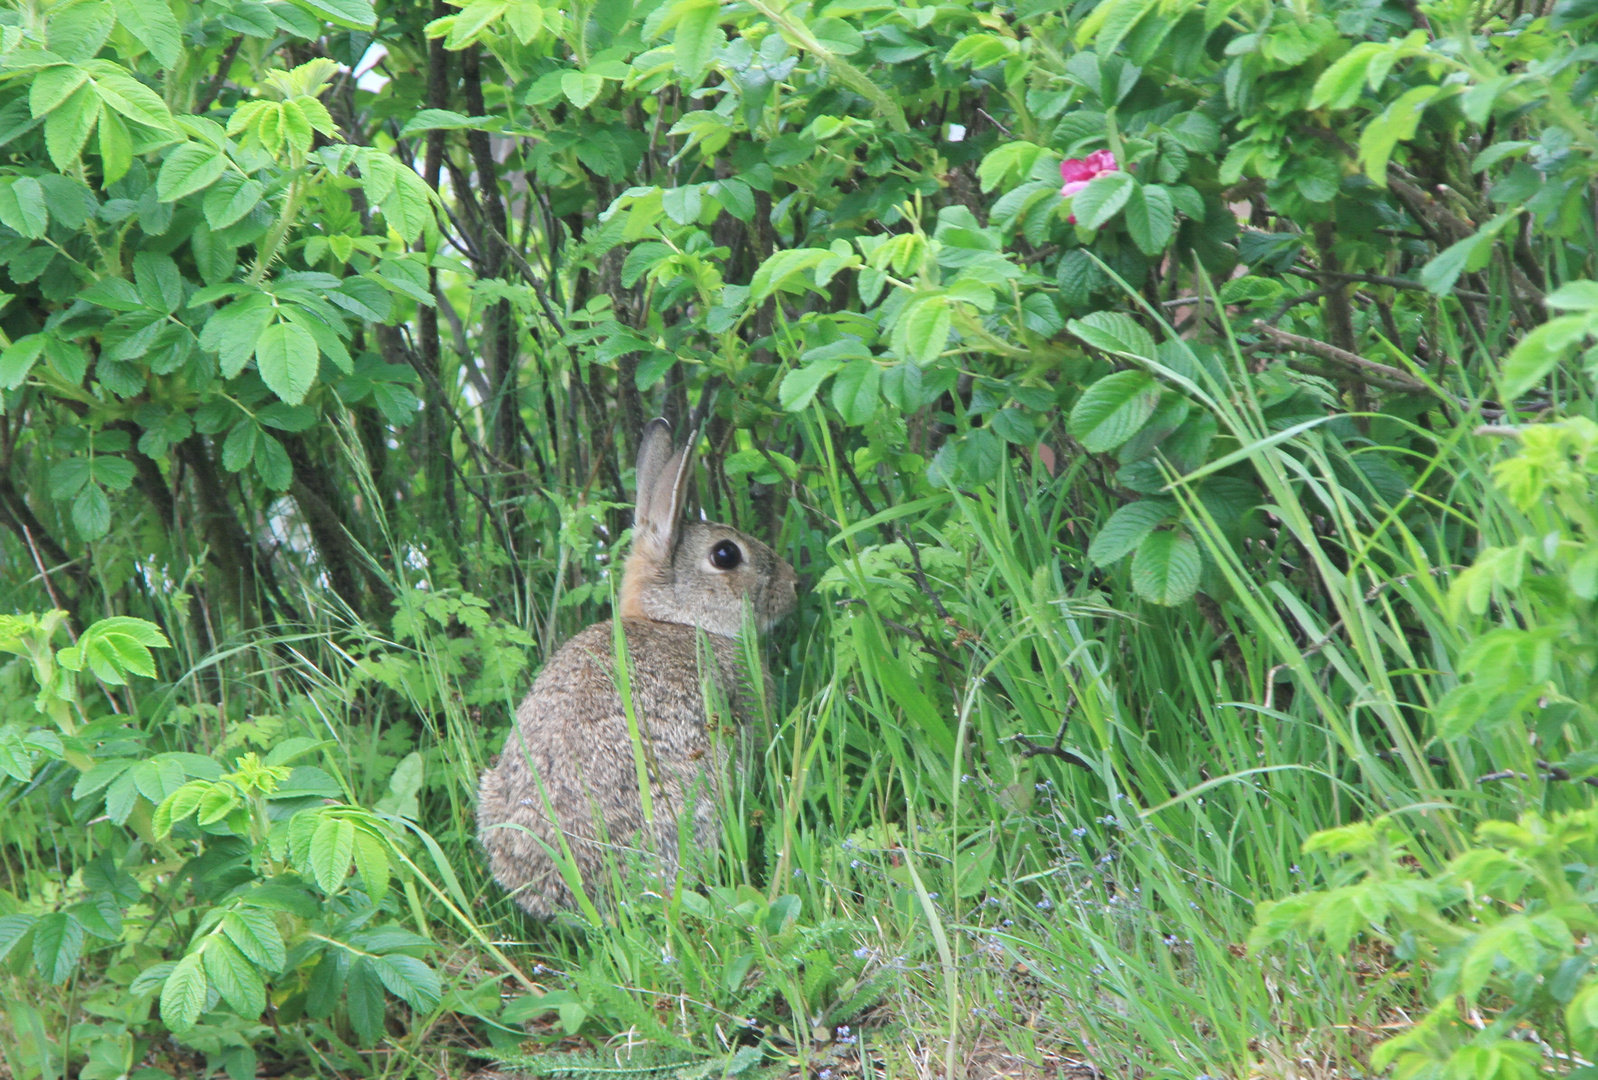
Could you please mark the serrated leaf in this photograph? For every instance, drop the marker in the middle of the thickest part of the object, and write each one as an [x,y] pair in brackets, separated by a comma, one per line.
[254,932]
[1113,332]
[799,386]
[234,977]
[1102,199]
[1150,218]
[183,996]
[855,391]
[286,358]
[364,996]
[91,513]
[57,944]
[1113,409]
[1166,568]
[152,22]
[230,198]
[923,329]
[332,847]
[1127,528]
[67,128]
[187,169]
[697,38]
[23,208]
[350,14]
[371,862]
[408,979]
[18,359]
[1539,352]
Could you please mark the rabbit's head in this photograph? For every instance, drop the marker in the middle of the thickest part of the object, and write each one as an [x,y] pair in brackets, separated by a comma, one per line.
[696,573]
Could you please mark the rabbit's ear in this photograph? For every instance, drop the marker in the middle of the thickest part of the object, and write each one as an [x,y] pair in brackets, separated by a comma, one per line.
[662,487]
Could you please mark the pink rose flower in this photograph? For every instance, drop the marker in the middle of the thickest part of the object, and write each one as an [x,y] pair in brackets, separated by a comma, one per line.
[1076,172]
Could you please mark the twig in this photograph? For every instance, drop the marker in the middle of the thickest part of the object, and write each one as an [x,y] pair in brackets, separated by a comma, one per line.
[1030,749]
[1383,374]
[222,64]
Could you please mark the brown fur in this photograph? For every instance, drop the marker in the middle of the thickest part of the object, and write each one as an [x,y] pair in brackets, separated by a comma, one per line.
[571,732]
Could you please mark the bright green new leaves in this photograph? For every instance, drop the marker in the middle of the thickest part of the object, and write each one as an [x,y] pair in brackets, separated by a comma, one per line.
[115,648]
[1363,67]
[1467,256]
[464,27]
[1502,919]
[1540,351]
[1396,124]
[697,36]
[1113,409]
[289,123]
[74,98]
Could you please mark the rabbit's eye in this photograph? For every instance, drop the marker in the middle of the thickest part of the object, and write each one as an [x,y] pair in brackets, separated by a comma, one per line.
[726,555]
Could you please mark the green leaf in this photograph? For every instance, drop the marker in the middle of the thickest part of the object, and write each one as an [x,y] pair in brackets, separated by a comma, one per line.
[159,282]
[444,120]
[1113,332]
[52,86]
[1113,409]
[286,358]
[234,977]
[350,14]
[124,94]
[272,463]
[13,928]
[1166,568]
[332,847]
[855,391]
[1467,256]
[364,995]
[116,148]
[67,128]
[23,208]
[1150,218]
[152,22]
[183,996]
[697,37]
[1396,124]
[1102,199]
[230,198]
[187,169]
[1575,296]
[91,513]
[57,944]
[18,359]
[409,979]
[1535,356]
[371,862]
[923,329]
[256,935]
[799,386]
[581,88]
[779,271]
[1127,528]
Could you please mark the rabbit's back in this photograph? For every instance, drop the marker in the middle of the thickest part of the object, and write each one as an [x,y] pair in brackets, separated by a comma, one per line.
[571,729]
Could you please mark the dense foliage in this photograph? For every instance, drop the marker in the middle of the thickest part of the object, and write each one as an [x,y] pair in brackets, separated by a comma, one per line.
[1179,411]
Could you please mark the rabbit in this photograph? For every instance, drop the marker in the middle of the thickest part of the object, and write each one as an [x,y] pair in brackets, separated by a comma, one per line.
[682,582]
